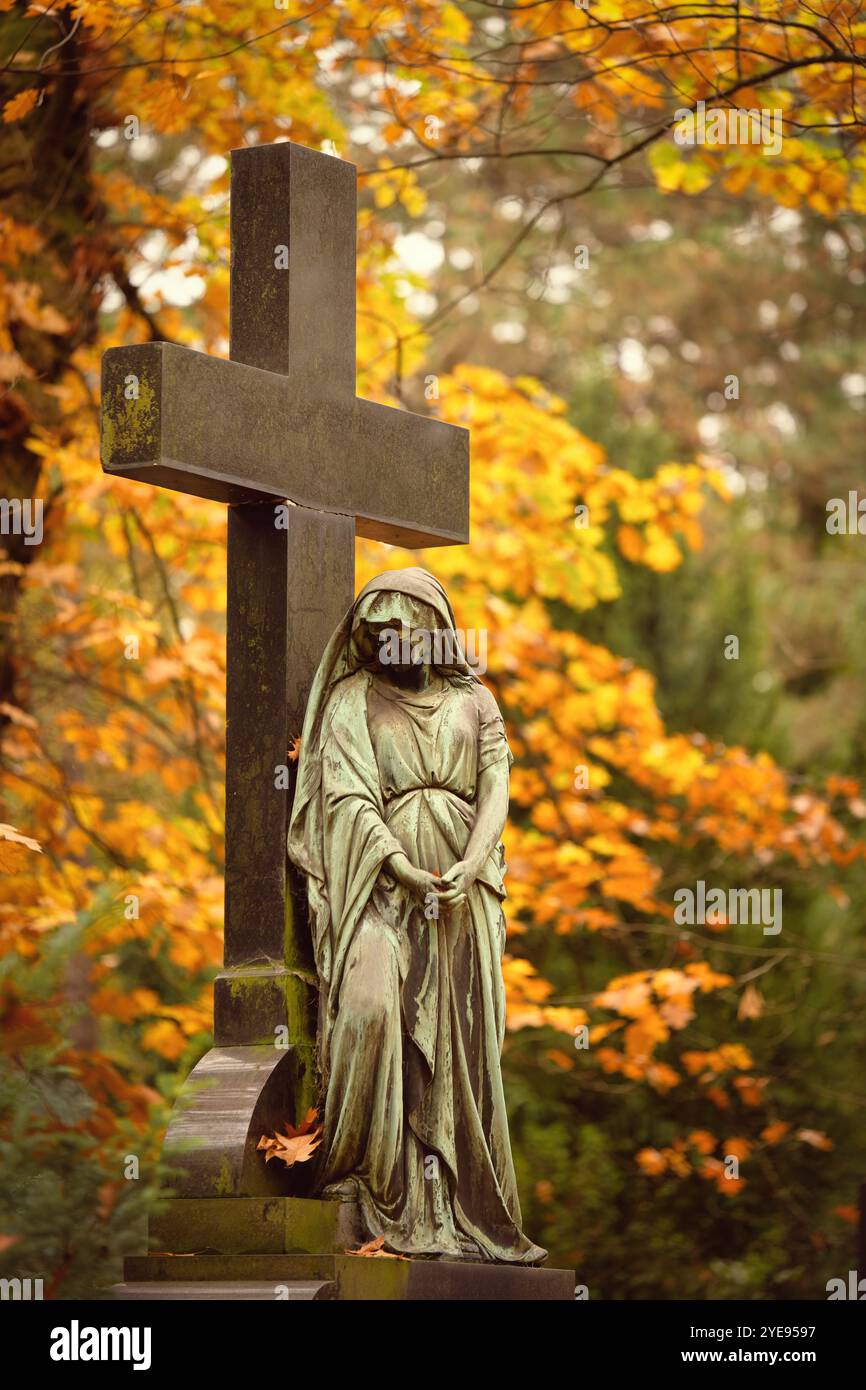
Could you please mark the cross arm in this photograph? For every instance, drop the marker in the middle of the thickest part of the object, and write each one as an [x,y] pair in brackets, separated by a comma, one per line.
[234,433]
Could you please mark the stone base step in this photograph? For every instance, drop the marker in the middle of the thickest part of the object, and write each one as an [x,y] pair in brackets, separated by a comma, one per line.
[264,1225]
[347,1277]
[217,1290]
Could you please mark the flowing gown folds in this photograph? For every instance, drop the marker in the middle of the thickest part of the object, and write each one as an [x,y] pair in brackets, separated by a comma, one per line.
[412,1011]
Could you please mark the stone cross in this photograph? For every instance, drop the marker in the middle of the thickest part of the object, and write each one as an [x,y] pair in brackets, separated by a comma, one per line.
[279,422]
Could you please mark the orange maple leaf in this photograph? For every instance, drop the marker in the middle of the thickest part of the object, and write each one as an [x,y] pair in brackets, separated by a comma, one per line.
[295,1145]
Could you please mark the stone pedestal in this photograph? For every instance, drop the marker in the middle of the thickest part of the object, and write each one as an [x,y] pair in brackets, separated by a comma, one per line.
[295,1248]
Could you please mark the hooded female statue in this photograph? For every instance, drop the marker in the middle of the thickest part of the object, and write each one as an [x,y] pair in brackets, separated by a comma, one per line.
[401,800]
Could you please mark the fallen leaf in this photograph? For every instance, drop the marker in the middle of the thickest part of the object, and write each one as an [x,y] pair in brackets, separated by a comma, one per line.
[372,1249]
[294,1145]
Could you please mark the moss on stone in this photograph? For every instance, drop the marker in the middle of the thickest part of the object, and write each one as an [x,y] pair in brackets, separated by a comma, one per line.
[130,428]
[224,1182]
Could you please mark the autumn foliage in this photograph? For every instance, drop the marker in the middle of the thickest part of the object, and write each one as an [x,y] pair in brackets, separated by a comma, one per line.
[115,125]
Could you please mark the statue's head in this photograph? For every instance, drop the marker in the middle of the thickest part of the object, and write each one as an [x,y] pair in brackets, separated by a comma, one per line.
[395,632]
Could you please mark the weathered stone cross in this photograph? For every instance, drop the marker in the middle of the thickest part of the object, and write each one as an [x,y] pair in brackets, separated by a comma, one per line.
[278,422]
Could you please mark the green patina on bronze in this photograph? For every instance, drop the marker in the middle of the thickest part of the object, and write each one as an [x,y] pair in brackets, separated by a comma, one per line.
[401,800]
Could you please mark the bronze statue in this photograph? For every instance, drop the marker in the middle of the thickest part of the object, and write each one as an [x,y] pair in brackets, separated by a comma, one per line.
[401,801]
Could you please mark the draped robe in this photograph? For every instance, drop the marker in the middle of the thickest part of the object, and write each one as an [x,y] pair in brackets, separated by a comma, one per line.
[412,1007]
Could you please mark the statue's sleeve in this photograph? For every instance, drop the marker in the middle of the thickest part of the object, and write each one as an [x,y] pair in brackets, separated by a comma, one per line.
[492,741]
[356,839]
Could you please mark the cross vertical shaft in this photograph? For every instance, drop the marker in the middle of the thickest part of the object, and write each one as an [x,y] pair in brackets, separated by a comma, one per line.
[292,312]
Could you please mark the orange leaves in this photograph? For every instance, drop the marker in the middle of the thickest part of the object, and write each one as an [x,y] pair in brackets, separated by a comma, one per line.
[166,1038]
[525,993]
[651,1161]
[728,1057]
[20,105]
[14,848]
[658,1003]
[694,1157]
[295,1145]
[123,773]
[702,1154]
[630,995]
[738,1148]
[23,305]
[137,1003]
[775,1133]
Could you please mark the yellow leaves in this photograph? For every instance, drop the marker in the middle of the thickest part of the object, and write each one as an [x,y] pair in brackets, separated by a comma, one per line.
[454,24]
[658,1003]
[707,980]
[166,1038]
[640,1038]
[391,186]
[631,880]
[150,736]
[565,1020]
[20,105]
[525,993]
[522,981]
[13,367]
[23,304]
[14,849]
[676,171]
[661,553]
[189,954]
[629,996]
[631,543]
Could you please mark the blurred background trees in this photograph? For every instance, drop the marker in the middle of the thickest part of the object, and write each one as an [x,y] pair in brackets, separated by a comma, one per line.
[669,337]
